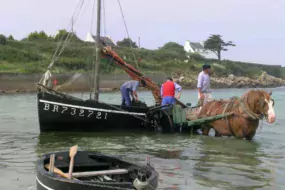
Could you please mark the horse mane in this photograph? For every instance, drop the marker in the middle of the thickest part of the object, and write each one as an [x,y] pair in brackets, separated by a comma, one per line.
[263,92]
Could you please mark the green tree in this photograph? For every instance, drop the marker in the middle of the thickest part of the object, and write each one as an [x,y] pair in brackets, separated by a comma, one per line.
[38,36]
[216,44]
[62,35]
[127,42]
[10,37]
[174,47]
[3,40]
[174,50]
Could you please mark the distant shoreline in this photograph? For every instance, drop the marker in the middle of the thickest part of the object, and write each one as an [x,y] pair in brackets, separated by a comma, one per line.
[18,83]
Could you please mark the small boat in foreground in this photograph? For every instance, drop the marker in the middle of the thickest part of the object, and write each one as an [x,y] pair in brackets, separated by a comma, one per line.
[92,170]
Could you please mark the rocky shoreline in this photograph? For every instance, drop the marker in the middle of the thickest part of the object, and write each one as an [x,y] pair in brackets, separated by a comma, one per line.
[110,83]
[263,81]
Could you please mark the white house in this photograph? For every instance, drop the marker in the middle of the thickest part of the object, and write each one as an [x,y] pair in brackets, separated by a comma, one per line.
[106,41]
[196,47]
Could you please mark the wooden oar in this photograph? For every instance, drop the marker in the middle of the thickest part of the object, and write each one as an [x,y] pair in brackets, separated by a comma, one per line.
[72,153]
[57,171]
[51,162]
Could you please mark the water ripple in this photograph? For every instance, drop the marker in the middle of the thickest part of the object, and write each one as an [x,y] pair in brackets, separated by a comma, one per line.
[183,161]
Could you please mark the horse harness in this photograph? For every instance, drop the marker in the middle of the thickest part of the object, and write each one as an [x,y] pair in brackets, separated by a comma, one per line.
[249,112]
[240,103]
[228,106]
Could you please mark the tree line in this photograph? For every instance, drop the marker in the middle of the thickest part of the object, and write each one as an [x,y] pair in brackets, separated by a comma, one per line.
[33,53]
[214,43]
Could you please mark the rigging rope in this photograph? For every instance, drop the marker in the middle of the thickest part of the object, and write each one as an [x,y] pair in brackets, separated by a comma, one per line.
[94,51]
[104,18]
[85,8]
[110,64]
[62,43]
[69,35]
[126,28]
[61,39]
[92,17]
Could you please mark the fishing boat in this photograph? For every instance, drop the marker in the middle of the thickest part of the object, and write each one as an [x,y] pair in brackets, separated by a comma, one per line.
[61,112]
[58,111]
[75,170]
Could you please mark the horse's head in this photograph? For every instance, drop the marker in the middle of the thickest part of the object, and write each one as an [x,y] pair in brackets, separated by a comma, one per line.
[266,106]
[259,104]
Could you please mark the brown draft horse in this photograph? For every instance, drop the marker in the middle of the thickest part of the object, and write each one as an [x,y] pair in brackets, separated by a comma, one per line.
[247,111]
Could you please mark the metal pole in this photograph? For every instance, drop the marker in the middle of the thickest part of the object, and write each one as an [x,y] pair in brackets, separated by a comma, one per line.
[139,42]
[98,44]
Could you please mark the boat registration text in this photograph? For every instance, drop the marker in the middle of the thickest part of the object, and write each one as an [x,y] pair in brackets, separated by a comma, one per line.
[74,111]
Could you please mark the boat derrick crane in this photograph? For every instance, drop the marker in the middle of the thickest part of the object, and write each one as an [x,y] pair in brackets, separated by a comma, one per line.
[135,74]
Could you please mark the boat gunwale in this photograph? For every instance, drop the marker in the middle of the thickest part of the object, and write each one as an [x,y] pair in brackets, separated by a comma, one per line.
[51,176]
[64,96]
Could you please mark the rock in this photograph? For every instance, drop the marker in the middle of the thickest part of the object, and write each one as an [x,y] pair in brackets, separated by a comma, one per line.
[232,81]
[270,80]
[181,78]
[263,77]
[241,84]
[231,77]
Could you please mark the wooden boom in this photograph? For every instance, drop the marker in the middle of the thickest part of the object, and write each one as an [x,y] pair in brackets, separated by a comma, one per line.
[135,74]
[103,172]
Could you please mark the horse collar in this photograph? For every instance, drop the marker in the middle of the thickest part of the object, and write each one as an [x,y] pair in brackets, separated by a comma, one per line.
[247,109]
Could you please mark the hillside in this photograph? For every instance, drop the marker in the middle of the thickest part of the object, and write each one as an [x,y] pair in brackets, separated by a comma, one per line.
[29,56]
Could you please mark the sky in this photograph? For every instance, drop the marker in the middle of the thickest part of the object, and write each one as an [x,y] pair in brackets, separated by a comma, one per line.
[257,27]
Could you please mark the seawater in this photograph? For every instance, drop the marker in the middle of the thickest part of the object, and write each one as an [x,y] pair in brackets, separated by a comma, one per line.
[183,161]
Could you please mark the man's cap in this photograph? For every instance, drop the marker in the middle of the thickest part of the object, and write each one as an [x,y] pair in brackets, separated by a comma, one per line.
[169,78]
[143,83]
[206,66]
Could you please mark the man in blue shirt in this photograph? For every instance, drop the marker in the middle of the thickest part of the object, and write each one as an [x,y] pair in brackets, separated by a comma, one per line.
[130,88]
[204,86]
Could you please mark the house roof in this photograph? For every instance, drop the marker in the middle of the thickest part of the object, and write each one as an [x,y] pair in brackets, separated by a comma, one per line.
[196,45]
[105,41]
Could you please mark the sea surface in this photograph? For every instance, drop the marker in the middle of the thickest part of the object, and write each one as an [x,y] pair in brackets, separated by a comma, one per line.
[183,161]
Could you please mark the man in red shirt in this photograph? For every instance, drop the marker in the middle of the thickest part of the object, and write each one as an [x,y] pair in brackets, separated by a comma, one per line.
[55,82]
[167,92]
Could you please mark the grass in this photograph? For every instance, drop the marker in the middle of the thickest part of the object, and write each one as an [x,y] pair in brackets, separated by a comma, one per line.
[34,57]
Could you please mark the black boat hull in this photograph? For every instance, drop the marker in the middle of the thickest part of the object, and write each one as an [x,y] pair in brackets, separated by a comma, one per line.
[59,112]
[85,160]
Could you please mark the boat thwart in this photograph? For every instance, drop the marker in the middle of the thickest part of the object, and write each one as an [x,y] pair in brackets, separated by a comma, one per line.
[93,170]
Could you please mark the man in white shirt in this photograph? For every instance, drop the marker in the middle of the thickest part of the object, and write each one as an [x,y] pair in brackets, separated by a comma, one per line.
[204,85]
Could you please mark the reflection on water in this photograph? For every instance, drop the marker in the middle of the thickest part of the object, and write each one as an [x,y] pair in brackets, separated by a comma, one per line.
[223,160]
[225,163]
[183,161]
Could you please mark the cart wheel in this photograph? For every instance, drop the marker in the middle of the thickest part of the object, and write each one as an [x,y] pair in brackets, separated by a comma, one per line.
[153,121]
[161,121]
[166,122]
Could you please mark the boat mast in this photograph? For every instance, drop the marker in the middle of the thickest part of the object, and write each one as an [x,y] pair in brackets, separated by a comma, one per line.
[98,44]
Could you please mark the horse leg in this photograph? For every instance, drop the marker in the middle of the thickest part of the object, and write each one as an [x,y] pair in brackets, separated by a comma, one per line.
[250,136]
[221,128]
[239,134]
[205,129]
[217,134]
[251,130]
